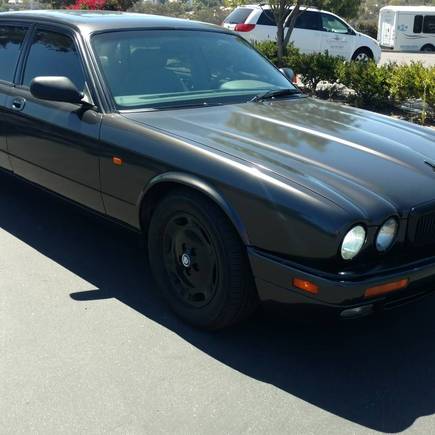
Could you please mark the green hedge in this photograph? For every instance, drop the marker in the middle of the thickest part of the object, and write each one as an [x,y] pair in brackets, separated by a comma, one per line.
[413,81]
[370,85]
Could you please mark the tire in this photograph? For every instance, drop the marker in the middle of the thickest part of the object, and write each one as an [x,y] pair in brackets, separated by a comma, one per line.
[428,48]
[199,262]
[362,55]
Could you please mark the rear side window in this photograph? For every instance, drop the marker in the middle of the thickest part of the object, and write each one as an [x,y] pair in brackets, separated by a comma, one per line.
[308,20]
[53,54]
[238,16]
[429,24]
[267,18]
[11,42]
[418,23]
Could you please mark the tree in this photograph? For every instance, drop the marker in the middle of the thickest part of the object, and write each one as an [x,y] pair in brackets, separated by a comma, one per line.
[285,13]
[344,8]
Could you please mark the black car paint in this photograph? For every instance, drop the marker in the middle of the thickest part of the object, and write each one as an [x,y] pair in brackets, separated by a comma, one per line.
[293,175]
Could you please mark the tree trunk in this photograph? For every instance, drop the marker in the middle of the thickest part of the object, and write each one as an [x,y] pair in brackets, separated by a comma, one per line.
[280,43]
[290,23]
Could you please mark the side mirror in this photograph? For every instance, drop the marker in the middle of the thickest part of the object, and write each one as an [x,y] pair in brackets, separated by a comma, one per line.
[55,89]
[288,73]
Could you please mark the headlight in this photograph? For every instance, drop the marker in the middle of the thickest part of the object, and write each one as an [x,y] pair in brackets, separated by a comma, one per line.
[386,235]
[353,242]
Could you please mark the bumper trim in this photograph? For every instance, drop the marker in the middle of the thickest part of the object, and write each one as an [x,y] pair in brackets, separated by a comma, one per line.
[274,283]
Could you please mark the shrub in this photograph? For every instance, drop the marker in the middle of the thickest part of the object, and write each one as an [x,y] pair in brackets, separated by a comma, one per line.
[370,85]
[198,12]
[88,4]
[413,81]
[270,50]
[110,5]
[370,82]
[314,68]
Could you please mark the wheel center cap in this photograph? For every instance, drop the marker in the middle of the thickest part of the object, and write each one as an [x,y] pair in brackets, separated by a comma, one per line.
[186,261]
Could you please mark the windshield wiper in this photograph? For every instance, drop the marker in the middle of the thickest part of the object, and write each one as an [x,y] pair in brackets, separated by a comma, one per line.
[274,93]
[184,106]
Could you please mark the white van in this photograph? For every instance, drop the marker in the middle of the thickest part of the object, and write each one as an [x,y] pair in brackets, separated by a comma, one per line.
[315,32]
[407,28]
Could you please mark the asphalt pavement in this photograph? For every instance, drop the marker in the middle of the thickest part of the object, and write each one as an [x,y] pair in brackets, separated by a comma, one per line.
[88,346]
[428,59]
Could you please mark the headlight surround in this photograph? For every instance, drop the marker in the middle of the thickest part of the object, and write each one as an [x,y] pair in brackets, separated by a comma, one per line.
[387,234]
[353,242]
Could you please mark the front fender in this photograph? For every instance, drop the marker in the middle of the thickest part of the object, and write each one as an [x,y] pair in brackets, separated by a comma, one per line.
[194,182]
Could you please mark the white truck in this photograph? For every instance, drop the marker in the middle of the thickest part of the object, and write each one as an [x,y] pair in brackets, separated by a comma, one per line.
[407,28]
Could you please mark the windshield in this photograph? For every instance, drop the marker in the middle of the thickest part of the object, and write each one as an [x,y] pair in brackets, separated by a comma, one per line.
[172,68]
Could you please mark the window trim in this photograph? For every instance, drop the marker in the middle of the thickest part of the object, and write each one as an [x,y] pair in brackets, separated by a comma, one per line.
[28,27]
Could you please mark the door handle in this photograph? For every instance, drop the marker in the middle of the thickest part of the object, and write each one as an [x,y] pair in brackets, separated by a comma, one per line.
[18,104]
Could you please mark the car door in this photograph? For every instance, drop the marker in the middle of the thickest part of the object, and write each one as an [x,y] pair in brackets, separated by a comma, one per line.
[55,144]
[338,39]
[307,35]
[12,36]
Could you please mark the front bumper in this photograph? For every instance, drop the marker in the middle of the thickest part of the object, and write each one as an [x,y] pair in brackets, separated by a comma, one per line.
[274,278]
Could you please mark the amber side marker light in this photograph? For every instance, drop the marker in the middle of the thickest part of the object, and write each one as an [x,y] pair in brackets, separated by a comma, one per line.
[117,161]
[386,288]
[305,285]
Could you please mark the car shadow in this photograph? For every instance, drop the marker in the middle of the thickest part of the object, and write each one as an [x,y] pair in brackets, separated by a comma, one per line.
[377,372]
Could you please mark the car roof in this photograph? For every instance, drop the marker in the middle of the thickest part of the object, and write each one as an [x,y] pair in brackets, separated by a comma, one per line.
[92,21]
[267,7]
[409,8]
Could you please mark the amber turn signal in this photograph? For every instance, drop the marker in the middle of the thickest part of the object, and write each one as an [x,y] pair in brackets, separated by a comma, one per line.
[306,285]
[386,288]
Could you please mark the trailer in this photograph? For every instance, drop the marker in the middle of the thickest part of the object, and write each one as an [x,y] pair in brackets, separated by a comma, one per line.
[407,28]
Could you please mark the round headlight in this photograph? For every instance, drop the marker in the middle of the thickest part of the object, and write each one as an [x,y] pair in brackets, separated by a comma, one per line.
[386,235]
[353,242]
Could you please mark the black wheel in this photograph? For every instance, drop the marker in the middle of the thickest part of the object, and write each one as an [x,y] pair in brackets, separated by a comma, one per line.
[363,55]
[428,48]
[199,262]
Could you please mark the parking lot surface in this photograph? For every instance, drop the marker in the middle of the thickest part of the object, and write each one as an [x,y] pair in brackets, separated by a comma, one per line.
[427,59]
[87,346]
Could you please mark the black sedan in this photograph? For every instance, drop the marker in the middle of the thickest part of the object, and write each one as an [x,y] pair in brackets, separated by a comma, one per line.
[245,189]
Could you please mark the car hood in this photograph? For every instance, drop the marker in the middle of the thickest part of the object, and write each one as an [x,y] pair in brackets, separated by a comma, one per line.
[353,157]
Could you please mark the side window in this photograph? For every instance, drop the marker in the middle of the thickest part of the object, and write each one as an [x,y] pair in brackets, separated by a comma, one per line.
[53,54]
[266,18]
[429,24]
[418,23]
[11,42]
[333,24]
[308,20]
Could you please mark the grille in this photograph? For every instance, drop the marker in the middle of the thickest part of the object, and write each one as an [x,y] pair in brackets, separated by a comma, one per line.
[425,230]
